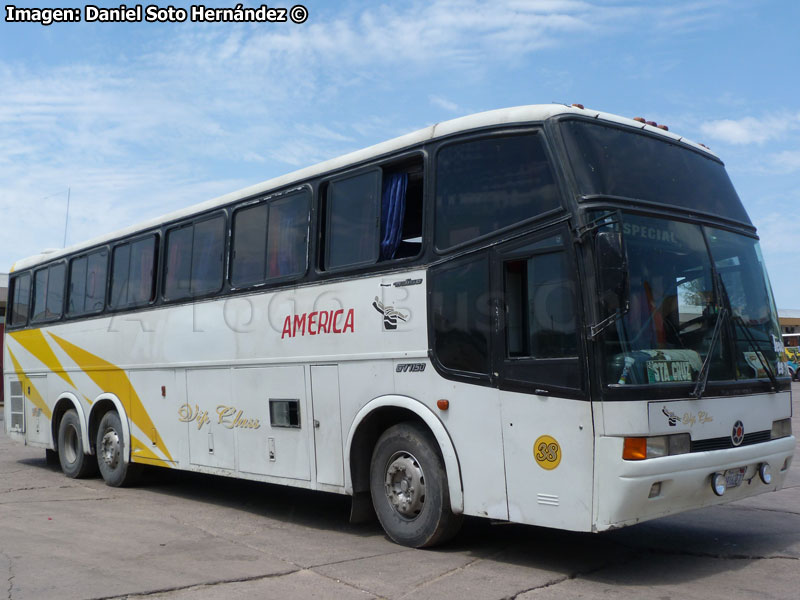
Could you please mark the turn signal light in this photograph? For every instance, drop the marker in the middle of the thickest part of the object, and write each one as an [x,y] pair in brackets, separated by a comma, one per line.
[634,449]
[443,404]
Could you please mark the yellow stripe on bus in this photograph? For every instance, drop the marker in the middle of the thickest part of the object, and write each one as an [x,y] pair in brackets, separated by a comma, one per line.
[110,378]
[34,395]
[142,454]
[34,342]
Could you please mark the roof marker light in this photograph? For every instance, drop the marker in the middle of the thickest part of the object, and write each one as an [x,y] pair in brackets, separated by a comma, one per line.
[652,123]
[639,120]
[664,127]
[576,105]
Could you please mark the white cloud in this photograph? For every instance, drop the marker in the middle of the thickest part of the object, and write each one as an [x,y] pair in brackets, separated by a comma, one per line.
[444,103]
[785,162]
[752,130]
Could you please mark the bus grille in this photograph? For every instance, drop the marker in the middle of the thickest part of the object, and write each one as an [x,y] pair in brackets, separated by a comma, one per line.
[723,443]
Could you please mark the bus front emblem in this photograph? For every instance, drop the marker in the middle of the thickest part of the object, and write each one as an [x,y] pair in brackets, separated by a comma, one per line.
[737,435]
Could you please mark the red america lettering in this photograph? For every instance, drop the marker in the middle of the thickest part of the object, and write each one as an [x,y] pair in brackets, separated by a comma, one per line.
[319,322]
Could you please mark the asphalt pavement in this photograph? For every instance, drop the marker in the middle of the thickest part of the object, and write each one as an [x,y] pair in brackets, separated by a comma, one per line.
[181,535]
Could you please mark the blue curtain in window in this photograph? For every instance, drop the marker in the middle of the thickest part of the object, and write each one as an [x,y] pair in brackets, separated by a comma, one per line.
[393,210]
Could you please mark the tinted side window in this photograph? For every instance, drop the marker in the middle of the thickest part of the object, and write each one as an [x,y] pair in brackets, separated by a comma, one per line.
[55,290]
[353,221]
[460,307]
[133,266]
[48,289]
[142,271]
[541,307]
[270,240]
[87,282]
[39,295]
[76,296]
[121,260]
[489,184]
[178,270]
[208,250]
[249,245]
[287,240]
[96,282]
[195,259]
[21,299]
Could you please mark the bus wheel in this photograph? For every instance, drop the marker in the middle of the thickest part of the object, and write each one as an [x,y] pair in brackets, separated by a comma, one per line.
[409,491]
[110,449]
[74,462]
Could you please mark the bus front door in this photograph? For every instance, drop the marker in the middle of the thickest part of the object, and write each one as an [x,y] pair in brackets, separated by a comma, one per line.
[546,415]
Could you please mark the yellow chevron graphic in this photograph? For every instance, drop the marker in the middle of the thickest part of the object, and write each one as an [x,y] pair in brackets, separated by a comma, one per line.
[141,453]
[112,379]
[34,395]
[33,341]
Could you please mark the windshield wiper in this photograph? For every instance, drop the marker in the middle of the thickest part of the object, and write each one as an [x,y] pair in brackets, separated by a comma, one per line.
[739,321]
[702,376]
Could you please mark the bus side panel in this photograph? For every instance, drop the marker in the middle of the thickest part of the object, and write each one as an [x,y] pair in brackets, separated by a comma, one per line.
[37,430]
[473,422]
[549,443]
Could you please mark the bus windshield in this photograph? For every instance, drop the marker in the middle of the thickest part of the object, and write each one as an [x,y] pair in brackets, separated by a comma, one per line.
[683,279]
[621,162]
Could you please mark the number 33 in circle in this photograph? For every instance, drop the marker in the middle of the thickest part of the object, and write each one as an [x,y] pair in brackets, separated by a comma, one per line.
[547,452]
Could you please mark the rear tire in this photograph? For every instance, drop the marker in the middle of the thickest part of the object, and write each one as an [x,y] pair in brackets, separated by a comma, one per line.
[75,463]
[408,483]
[111,452]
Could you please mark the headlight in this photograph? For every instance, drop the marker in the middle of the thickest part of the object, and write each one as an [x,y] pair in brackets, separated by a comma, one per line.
[781,429]
[640,448]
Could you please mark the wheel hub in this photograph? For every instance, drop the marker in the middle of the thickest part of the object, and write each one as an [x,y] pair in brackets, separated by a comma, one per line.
[405,484]
[110,449]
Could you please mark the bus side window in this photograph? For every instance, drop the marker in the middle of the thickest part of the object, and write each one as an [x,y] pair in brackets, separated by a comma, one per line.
[270,239]
[460,313]
[540,307]
[249,247]
[401,211]
[48,291]
[21,294]
[76,295]
[194,258]
[373,216]
[132,273]
[489,184]
[87,280]
[352,217]
[287,238]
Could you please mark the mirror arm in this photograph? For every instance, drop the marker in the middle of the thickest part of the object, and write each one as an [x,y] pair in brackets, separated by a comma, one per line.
[598,328]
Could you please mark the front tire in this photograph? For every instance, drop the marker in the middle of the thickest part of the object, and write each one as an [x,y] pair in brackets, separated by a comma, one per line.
[71,453]
[409,490]
[110,447]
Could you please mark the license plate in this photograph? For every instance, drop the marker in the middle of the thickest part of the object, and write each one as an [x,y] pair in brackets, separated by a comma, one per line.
[734,477]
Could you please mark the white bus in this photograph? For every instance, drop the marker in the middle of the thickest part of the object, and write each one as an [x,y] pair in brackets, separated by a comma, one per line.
[542,314]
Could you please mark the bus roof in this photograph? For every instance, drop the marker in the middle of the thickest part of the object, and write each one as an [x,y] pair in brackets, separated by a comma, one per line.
[503,116]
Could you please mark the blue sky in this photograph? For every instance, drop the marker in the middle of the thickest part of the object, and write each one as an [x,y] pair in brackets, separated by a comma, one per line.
[144,118]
